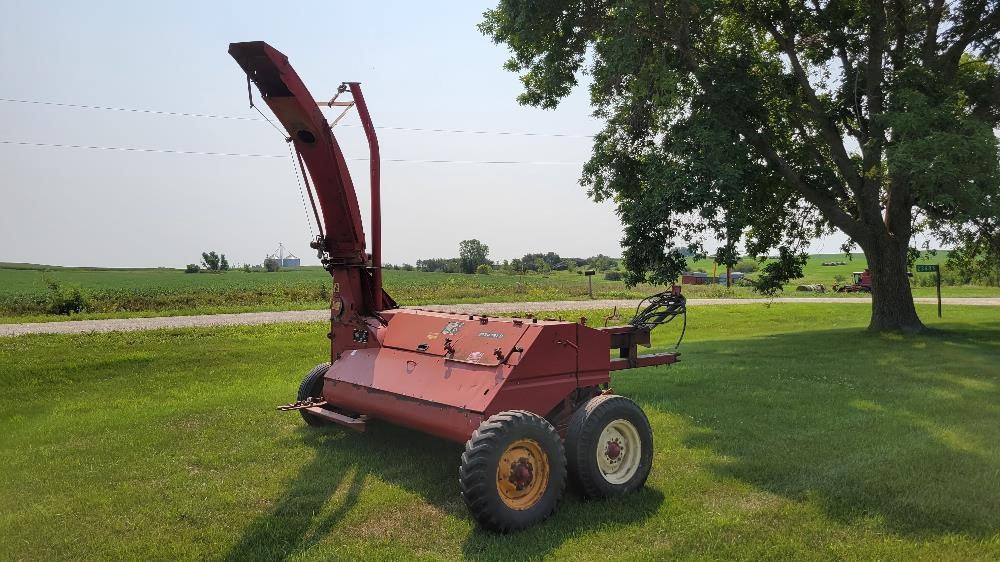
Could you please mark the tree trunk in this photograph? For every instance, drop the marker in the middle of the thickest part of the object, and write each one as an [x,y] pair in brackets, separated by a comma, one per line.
[892,298]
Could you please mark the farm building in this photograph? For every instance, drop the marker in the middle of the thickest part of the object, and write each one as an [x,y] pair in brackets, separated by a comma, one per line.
[735,276]
[699,278]
[695,278]
[285,260]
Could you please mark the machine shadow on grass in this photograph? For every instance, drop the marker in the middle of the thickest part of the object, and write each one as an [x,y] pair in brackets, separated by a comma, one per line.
[301,518]
[574,517]
[869,427]
[422,464]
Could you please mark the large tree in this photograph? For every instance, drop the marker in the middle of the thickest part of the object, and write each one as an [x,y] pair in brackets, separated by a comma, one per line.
[472,254]
[774,122]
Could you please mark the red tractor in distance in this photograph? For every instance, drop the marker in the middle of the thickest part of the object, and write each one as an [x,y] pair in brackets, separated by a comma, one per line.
[862,283]
[529,398]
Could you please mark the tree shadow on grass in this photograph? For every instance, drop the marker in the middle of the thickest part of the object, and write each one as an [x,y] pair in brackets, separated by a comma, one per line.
[424,465]
[901,430]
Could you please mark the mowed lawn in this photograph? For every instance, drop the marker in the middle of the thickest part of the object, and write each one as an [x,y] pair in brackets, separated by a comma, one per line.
[786,432]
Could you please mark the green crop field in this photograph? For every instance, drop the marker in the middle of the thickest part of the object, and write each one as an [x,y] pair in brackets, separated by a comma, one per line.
[24,295]
[786,432]
[119,292]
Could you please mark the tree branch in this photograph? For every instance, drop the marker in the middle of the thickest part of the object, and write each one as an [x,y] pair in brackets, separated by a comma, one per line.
[972,29]
[898,219]
[935,9]
[810,146]
[828,130]
[851,68]
[871,151]
[900,28]
[826,204]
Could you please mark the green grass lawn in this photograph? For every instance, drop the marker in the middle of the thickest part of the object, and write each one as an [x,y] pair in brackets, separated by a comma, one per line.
[785,432]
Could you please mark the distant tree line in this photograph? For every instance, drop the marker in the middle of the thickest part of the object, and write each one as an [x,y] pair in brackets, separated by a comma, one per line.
[474,258]
[210,261]
[215,262]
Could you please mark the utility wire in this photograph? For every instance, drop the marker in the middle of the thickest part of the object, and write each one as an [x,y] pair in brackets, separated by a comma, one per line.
[468,132]
[236,118]
[135,149]
[129,110]
[252,155]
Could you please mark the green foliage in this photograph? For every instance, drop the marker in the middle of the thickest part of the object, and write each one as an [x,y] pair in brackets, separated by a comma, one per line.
[472,254]
[726,254]
[976,257]
[271,265]
[64,300]
[484,269]
[950,277]
[532,262]
[212,261]
[600,263]
[440,265]
[192,268]
[746,266]
[613,276]
[774,122]
[772,276]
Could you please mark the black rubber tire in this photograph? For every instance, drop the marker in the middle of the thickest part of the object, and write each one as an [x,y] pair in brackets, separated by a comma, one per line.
[312,387]
[477,475]
[585,429]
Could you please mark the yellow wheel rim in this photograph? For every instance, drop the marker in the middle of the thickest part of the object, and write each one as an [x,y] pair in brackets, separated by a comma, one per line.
[523,474]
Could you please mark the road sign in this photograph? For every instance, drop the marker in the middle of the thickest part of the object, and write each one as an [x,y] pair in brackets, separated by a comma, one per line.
[933,268]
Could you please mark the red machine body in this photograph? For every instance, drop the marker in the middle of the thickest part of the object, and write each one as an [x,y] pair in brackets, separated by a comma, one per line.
[445,373]
[437,372]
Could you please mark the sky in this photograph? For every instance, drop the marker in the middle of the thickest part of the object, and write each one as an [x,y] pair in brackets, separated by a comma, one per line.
[422,65]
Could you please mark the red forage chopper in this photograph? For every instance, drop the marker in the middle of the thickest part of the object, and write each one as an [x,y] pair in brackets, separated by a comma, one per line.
[528,397]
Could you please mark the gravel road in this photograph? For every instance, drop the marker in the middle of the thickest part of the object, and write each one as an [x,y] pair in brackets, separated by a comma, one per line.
[252,318]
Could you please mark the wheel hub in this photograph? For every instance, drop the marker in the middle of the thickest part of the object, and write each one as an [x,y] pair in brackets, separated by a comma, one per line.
[522,474]
[613,450]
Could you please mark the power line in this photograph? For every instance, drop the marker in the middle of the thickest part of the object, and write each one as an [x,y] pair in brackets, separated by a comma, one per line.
[129,110]
[468,132]
[238,118]
[252,155]
[135,149]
